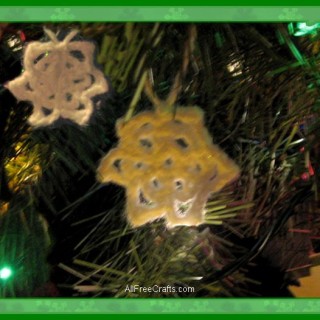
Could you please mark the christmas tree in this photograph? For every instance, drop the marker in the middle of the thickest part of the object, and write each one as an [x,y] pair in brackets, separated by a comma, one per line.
[177,157]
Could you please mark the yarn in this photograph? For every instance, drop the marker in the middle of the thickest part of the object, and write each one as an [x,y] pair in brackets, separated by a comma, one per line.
[168,166]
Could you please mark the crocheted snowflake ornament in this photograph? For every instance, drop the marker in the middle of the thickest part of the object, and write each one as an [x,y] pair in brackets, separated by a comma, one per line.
[168,167]
[60,80]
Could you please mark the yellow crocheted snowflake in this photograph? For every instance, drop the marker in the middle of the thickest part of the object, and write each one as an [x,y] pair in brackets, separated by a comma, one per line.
[60,80]
[169,167]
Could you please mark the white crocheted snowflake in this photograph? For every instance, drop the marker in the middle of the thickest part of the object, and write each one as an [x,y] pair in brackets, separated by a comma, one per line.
[60,80]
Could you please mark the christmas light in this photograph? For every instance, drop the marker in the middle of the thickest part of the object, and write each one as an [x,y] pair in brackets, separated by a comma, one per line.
[5,273]
[302,28]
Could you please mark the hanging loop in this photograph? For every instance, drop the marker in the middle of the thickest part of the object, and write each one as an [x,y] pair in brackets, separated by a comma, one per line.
[167,105]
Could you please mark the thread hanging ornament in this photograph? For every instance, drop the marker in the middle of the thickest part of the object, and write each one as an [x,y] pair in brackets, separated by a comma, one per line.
[166,159]
[168,166]
[59,79]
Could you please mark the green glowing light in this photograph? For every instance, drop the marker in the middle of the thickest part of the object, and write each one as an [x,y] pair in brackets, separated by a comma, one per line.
[5,273]
[303,28]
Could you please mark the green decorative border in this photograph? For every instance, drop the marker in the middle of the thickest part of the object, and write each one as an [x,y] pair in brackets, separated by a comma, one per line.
[159,13]
[173,3]
[167,306]
[162,316]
